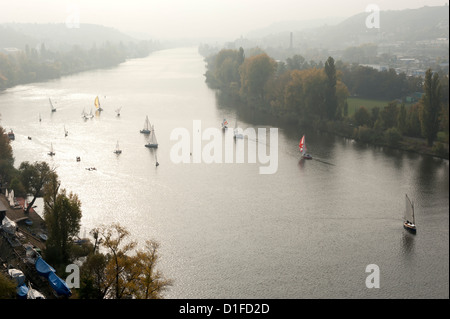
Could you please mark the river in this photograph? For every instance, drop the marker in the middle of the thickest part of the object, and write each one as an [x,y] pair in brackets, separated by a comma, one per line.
[309,230]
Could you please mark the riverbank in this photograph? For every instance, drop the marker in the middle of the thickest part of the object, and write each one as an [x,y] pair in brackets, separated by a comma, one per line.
[16,247]
[390,138]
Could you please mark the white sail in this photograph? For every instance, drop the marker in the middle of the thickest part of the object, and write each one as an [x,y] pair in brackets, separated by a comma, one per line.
[153,136]
[118,150]
[51,105]
[147,126]
[409,210]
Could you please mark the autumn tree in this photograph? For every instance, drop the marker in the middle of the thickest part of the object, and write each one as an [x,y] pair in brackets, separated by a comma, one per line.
[117,273]
[150,282]
[254,73]
[430,107]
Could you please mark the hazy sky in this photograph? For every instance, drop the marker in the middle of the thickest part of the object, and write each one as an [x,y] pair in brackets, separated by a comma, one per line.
[191,18]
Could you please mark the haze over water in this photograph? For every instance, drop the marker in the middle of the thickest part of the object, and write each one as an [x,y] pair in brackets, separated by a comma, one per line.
[226,231]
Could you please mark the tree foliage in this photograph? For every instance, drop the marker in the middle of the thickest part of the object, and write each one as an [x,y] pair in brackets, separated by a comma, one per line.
[34,178]
[62,215]
[119,274]
[430,107]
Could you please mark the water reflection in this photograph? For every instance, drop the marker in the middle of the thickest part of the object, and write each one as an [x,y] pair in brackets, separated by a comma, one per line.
[407,243]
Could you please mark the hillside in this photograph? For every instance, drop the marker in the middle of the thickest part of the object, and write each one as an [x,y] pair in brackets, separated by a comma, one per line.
[57,37]
[410,25]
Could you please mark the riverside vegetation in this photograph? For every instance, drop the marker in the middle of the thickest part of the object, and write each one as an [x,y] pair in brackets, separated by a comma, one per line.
[316,96]
[111,266]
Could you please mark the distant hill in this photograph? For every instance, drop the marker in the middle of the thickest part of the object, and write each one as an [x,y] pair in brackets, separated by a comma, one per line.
[401,25]
[404,25]
[294,25]
[58,37]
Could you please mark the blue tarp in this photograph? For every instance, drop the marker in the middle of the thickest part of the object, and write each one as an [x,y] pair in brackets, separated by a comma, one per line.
[43,268]
[22,291]
[58,285]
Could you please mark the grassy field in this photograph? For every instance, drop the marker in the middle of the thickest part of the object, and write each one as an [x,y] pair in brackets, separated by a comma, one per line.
[355,103]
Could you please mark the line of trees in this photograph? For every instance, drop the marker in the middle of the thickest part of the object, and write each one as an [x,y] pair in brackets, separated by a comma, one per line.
[316,94]
[305,93]
[33,65]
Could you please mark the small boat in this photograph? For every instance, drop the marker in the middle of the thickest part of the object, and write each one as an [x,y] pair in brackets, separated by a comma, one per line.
[153,142]
[146,129]
[65,132]
[86,116]
[78,159]
[42,268]
[409,222]
[156,159]
[51,153]
[33,293]
[11,135]
[29,137]
[51,105]
[224,124]
[58,285]
[40,119]
[22,291]
[117,150]
[302,147]
[118,111]
[97,104]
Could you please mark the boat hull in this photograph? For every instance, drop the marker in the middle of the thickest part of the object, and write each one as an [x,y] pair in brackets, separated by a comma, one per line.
[307,156]
[145,132]
[151,145]
[409,227]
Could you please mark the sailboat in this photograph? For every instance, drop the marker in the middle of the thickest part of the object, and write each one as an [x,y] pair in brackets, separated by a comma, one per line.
[97,104]
[51,105]
[236,132]
[51,153]
[146,129]
[65,131]
[40,119]
[302,147]
[224,124]
[153,142]
[118,111]
[118,150]
[409,222]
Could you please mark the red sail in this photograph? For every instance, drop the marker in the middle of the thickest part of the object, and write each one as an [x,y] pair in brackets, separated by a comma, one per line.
[302,142]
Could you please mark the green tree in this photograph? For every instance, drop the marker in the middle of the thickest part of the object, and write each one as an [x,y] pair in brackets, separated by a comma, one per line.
[7,170]
[362,117]
[401,119]
[34,178]
[430,107]
[331,102]
[62,215]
